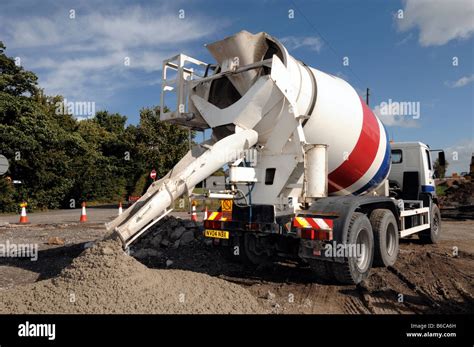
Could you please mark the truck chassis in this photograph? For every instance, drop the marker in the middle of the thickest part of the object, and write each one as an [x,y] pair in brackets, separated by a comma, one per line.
[341,238]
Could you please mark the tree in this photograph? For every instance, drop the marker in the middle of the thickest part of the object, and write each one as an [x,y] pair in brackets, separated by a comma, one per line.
[113,123]
[160,145]
[14,79]
[32,138]
[62,161]
[440,171]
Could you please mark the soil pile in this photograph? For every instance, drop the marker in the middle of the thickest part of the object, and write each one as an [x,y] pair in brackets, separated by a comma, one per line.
[169,233]
[457,194]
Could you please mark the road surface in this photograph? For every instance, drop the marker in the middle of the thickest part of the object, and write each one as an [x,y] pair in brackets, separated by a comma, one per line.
[426,278]
[94,215]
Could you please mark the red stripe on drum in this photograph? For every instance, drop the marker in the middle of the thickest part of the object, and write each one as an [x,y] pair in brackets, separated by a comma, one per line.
[362,156]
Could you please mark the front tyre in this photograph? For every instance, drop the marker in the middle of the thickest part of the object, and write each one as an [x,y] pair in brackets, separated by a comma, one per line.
[433,234]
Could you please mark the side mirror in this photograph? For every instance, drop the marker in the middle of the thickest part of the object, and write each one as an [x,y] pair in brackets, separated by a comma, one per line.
[441,159]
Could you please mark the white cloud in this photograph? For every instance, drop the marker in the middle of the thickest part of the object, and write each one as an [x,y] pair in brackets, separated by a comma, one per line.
[83,58]
[463,81]
[31,32]
[459,156]
[312,43]
[438,21]
[395,120]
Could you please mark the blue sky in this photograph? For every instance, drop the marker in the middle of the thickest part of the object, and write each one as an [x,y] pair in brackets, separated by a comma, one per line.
[408,59]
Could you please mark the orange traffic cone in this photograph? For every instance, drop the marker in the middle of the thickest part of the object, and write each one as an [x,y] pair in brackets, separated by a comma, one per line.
[83,213]
[120,208]
[194,216]
[205,213]
[23,216]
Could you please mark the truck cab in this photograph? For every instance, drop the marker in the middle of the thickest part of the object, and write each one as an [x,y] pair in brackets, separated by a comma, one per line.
[412,172]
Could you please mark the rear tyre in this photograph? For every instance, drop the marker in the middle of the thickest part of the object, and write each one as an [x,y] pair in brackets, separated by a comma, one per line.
[232,251]
[356,267]
[386,237]
[245,249]
[251,252]
[433,234]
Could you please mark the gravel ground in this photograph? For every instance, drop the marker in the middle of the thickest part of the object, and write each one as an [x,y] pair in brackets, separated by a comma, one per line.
[176,273]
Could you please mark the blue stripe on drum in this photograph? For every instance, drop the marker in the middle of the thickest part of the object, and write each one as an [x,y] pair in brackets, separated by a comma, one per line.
[382,172]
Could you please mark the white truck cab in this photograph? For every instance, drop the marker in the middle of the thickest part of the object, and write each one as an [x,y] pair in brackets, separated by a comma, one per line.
[412,169]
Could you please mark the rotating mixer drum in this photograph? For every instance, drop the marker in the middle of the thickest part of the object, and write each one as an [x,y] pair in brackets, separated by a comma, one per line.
[358,147]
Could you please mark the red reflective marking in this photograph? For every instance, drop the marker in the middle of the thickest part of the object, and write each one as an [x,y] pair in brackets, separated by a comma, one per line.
[313,223]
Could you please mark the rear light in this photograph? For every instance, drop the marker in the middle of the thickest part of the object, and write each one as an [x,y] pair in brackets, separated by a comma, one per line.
[213,224]
[311,234]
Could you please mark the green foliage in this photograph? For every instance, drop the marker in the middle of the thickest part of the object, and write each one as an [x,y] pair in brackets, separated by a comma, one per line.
[14,79]
[159,143]
[59,159]
[141,185]
[7,201]
[441,190]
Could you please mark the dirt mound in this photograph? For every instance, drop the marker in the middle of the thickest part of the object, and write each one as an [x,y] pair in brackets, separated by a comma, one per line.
[457,194]
[169,233]
[103,279]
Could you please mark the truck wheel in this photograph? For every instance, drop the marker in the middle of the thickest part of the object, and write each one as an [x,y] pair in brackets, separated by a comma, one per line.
[432,234]
[232,251]
[386,237]
[250,251]
[356,267]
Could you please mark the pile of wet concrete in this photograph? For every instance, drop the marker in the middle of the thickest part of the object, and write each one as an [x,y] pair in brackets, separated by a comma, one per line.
[104,279]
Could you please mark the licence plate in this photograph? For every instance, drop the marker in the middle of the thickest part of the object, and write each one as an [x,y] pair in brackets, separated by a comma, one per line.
[217,234]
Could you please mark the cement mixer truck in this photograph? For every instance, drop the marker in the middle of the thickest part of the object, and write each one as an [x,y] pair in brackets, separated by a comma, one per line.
[312,175]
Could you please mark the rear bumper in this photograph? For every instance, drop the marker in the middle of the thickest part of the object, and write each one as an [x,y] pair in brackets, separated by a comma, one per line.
[313,233]
[233,225]
[314,249]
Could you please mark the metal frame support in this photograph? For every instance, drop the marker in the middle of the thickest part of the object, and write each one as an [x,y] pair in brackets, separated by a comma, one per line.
[180,84]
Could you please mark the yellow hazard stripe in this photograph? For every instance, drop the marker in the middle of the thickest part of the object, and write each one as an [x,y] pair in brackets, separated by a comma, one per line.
[213,216]
[303,222]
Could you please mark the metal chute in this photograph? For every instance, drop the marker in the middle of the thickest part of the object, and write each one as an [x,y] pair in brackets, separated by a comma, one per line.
[155,204]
